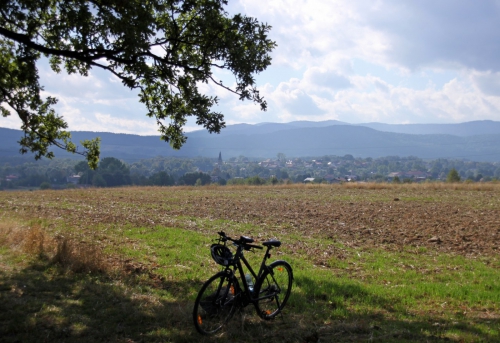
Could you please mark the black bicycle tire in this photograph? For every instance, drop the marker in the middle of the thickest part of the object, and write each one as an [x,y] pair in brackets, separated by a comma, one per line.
[263,287]
[201,315]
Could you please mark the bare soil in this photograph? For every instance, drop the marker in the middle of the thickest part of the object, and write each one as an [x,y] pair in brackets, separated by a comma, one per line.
[464,221]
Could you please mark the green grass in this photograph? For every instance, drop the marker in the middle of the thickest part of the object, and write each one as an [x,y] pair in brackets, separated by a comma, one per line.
[177,253]
[341,292]
[399,286]
[375,294]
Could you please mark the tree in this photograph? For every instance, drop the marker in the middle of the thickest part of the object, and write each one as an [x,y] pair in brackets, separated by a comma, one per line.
[453,176]
[190,179]
[161,179]
[98,181]
[45,185]
[114,172]
[81,167]
[162,48]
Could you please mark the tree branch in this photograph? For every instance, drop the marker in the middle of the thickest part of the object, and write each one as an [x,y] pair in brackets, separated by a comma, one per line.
[226,88]
[80,56]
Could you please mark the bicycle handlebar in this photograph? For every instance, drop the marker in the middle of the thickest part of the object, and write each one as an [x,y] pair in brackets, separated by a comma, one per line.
[239,242]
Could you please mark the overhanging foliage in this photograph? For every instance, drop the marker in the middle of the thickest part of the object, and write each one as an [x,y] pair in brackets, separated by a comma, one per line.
[163,48]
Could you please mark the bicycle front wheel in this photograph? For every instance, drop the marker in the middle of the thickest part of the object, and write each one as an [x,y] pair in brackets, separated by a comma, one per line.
[273,289]
[215,304]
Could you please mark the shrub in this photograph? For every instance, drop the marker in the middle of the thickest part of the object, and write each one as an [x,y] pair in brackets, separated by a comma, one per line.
[45,185]
[255,180]
[453,176]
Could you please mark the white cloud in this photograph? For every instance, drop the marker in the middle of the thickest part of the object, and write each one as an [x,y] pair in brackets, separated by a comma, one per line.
[291,98]
[488,82]
[141,127]
[417,43]
[322,78]
[12,121]
[445,33]
[455,102]
[318,33]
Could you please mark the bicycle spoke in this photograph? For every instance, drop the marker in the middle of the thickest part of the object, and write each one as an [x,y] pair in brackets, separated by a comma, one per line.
[274,289]
[214,305]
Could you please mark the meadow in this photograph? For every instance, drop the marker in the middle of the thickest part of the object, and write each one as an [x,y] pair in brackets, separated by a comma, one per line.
[372,262]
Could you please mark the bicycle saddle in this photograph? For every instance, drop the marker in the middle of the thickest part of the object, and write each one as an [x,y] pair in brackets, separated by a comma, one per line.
[245,239]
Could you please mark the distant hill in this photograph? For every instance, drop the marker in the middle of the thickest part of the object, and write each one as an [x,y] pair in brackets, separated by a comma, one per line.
[472,128]
[477,141]
[263,128]
[355,140]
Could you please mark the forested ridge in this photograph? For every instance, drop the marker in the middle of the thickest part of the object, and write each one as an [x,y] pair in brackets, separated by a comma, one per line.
[267,140]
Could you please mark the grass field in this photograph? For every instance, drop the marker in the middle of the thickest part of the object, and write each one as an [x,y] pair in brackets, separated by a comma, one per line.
[372,262]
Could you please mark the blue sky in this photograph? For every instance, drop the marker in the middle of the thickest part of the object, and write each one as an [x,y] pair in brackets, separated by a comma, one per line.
[390,61]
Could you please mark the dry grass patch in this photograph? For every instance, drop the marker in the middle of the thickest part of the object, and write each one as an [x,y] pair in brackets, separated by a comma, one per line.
[71,253]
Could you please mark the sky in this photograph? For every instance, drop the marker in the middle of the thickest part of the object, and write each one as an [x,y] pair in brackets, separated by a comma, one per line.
[388,61]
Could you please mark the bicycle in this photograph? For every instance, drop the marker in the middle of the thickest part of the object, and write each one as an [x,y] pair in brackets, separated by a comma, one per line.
[221,295]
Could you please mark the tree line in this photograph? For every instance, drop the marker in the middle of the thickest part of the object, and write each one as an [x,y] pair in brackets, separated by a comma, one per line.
[163,171]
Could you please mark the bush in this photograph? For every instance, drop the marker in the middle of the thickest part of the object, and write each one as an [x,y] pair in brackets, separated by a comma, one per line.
[255,180]
[45,185]
[191,178]
[161,179]
[453,176]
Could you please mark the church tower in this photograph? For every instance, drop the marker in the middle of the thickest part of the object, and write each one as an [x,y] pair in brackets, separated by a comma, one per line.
[219,162]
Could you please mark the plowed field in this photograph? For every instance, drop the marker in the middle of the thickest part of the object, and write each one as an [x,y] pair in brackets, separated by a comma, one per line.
[462,220]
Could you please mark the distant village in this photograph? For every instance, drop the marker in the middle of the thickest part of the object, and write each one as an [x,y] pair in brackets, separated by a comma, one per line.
[163,171]
[335,169]
[340,171]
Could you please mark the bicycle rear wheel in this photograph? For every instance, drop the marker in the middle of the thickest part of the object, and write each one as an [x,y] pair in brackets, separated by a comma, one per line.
[215,304]
[273,289]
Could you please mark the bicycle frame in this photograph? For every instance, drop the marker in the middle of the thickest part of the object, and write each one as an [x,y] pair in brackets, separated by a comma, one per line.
[239,256]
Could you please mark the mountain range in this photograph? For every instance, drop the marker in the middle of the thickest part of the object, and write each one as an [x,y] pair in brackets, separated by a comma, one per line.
[475,141]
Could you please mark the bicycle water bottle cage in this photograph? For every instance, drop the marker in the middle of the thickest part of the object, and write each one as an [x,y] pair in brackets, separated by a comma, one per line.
[221,254]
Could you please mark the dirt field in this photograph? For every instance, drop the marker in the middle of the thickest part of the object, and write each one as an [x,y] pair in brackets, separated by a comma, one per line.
[463,220]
